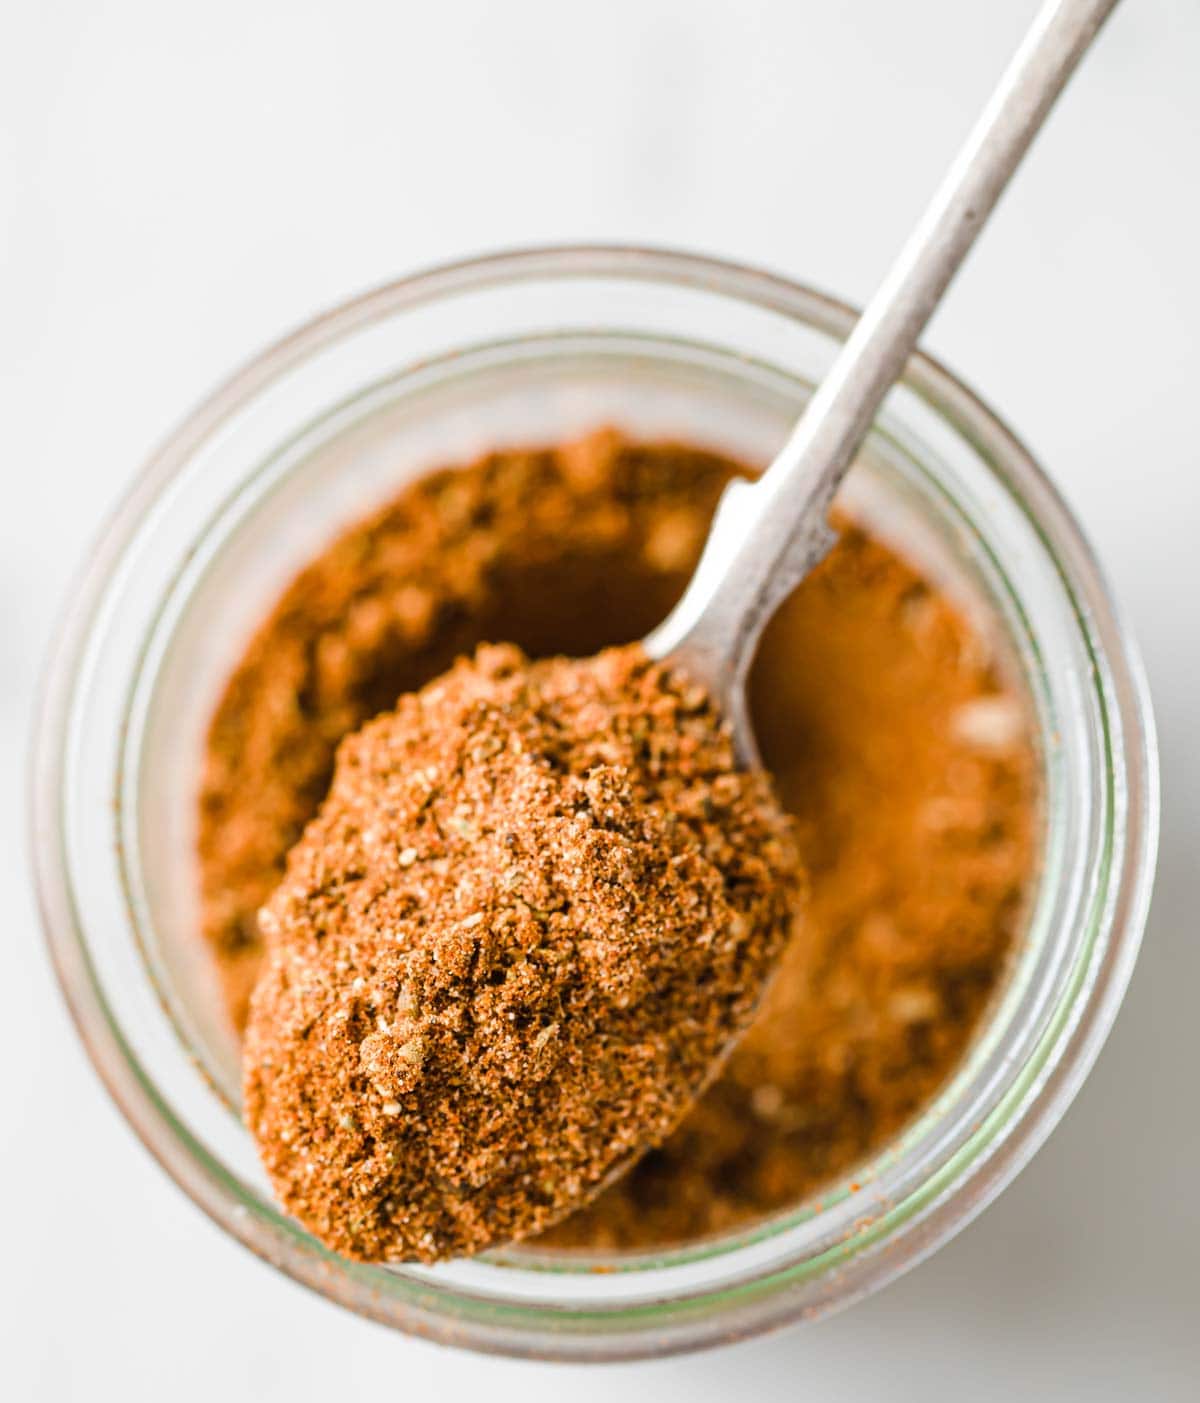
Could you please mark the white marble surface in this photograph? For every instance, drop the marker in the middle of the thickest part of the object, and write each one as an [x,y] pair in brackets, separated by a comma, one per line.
[178,184]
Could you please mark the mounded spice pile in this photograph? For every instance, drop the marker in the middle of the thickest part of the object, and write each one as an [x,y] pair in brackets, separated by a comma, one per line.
[896,745]
[536,906]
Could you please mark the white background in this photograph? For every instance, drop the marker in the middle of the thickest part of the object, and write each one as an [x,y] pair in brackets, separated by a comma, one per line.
[181,183]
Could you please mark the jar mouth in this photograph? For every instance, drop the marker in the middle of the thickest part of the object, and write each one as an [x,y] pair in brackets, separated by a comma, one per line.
[799,1262]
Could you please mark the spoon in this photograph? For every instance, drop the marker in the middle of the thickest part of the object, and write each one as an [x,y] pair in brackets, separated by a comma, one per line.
[459,1127]
[768,534]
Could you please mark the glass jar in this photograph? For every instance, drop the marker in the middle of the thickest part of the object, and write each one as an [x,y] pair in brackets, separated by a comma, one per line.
[534,346]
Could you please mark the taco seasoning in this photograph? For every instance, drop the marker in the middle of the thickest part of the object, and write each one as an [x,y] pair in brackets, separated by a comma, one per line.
[899,748]
[536,906]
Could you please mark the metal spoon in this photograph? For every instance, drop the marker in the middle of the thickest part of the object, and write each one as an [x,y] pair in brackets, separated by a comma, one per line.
[767,535]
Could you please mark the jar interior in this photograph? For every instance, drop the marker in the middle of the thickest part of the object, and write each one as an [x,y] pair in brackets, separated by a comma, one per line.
[357,455]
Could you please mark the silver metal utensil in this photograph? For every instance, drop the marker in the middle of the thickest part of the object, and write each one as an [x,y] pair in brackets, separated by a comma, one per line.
[767,535]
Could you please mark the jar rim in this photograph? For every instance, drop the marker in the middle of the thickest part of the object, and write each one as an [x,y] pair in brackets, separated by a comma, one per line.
[516,1327]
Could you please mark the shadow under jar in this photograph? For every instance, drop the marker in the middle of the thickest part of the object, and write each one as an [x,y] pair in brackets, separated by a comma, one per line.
[540,347]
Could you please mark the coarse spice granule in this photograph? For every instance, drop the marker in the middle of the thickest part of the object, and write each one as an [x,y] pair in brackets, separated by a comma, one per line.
[535,908]
[891,732]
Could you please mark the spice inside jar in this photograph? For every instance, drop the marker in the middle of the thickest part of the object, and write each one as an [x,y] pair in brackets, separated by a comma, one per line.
[894,738]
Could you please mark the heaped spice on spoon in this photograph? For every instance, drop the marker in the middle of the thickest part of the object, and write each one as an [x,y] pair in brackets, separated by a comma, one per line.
[537,906]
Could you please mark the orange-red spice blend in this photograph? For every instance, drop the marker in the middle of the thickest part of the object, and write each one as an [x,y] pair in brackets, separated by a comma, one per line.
[537,905]
[891,730]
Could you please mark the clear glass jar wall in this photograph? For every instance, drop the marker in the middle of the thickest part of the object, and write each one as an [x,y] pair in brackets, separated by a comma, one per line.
[539,346]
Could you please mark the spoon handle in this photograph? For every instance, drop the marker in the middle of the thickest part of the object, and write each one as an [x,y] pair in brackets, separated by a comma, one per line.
[767,536]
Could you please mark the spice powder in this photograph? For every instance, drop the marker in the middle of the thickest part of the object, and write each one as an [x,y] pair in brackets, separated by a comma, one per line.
[537,905]
[891,733]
